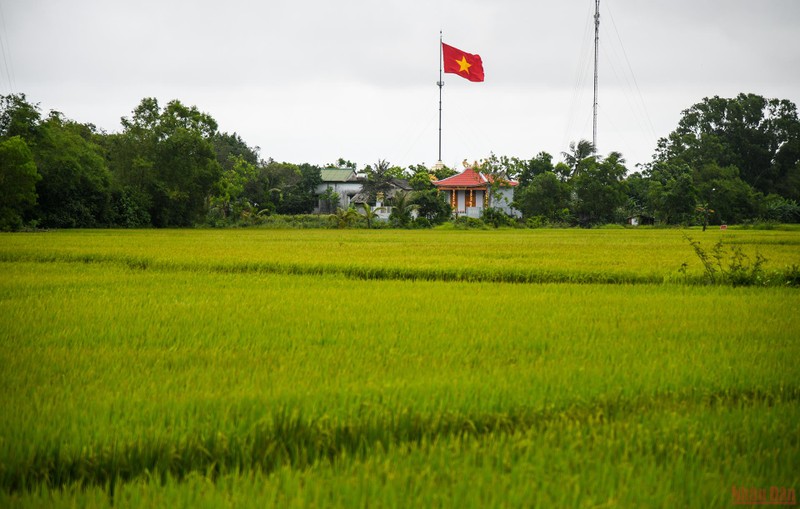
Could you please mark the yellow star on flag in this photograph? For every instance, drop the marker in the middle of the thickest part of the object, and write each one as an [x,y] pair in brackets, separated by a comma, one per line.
[466,65]
[463,64]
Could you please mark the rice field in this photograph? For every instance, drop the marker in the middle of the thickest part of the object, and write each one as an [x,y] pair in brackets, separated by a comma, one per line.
[392,369]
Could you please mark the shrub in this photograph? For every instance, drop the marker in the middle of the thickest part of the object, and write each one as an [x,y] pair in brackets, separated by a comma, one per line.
[468,223]
[496,217]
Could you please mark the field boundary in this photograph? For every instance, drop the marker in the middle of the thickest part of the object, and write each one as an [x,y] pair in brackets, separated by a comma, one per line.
[773,278]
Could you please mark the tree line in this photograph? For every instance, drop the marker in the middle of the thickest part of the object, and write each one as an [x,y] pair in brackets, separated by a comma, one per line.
[729,160]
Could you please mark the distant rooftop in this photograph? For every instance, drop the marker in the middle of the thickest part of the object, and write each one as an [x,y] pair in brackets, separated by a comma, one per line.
[337,175]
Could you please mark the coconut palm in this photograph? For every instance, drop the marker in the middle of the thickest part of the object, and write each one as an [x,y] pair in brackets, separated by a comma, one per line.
[401,208]
[344,217]
[577,153]
[369,214]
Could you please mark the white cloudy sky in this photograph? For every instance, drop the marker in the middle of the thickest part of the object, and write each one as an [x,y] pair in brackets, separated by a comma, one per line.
[313,80]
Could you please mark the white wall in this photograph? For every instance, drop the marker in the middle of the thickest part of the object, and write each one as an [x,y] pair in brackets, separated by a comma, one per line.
[344,189]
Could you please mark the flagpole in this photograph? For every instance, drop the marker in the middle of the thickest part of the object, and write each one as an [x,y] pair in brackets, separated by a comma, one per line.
[440,83]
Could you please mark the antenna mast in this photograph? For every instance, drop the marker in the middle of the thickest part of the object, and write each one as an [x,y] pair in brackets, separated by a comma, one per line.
[596,46]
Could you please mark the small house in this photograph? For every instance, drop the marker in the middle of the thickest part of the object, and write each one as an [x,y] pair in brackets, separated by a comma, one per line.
[345,183]
[470,192]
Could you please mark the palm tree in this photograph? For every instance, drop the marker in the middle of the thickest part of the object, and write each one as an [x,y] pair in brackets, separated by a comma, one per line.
[577,153]
[369,214]
[401,208]
[344,217]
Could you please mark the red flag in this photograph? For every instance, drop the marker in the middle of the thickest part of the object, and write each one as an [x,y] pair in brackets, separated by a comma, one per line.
[464,64]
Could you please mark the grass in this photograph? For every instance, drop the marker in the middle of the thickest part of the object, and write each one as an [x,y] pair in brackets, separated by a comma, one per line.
[181,382]
[527,256]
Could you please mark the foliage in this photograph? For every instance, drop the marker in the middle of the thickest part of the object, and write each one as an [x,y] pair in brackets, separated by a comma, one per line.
[432,205]
[420,179]
[599,189]
[230,148]
[292,222]
[379,179]
[727,194]
[18,117]
[545,196]
[130,208]
[528,170]
[732,266]
[344,218]
[496,218]
[781,210]
[330,199]
[75,189]
[369,214]
[168,154]
[671,192]
[443,172]
[580,156]
[229,201]
[402,207]
[468,223]
[757,136]
[18,178]
[739,157]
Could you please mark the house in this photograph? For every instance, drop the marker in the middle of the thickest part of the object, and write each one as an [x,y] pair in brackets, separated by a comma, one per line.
[383,201]
[470,192]
[344,182]
[396,185]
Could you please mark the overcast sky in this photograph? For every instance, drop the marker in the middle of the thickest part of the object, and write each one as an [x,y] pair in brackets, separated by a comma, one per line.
[315,80]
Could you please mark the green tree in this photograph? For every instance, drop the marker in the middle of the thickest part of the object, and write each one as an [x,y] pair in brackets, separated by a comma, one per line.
[344,218]
[75,189]
[542,163]
[330,199]
[432,205]
[545,196]
[443,172]
[599,189]
[402,205]
[230,148]
[420,179]
[579,156]
[168,155]
[299,193]
[731,198]
[637,190]
[343,164]
[780,209]
[18,178]
[495,169]
[369,214]
[379,179]
[760,137]
[671,193]
[229,200]
[18,117]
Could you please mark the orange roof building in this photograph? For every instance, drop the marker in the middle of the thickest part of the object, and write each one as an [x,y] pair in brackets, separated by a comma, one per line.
[469,193]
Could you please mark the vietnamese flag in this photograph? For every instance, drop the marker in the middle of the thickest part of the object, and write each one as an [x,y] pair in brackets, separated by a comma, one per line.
[462,63]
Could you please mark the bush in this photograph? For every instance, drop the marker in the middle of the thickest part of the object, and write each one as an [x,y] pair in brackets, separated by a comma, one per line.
[299,221]
[537,222]
[468,223]
[734,267]
[496,217]
[421,222]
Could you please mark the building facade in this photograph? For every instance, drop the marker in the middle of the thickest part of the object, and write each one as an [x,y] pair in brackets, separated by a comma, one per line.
[471,191]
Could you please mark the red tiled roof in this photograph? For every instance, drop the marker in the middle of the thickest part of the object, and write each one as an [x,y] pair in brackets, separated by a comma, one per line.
[467,178]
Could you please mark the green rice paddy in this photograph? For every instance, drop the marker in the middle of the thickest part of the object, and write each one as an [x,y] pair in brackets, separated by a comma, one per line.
[253,368]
